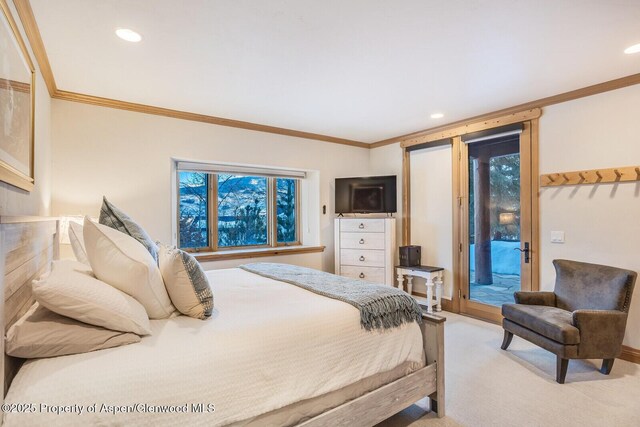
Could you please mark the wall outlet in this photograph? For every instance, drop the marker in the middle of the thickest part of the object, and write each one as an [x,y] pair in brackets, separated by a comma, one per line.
[557,237]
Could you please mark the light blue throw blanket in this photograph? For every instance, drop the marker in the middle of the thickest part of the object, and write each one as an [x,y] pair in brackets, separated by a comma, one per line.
[381,307]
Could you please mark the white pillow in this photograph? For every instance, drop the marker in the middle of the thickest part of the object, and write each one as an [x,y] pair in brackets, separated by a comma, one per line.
[121,261]
[77,242]
[73,293]
[186,282]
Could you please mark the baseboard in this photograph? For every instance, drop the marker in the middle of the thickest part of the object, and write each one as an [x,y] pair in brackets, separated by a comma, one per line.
[630,354]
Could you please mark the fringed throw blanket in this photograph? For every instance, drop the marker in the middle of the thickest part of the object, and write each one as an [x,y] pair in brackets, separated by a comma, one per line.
[381,307]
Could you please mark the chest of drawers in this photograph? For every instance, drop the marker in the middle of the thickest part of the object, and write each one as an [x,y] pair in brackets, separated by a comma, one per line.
[365,248]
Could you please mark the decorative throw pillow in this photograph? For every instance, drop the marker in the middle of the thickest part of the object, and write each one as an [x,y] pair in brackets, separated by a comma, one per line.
[186,282]
[118,220]
[77,242]
[43,333]
[82,297]
[121,261]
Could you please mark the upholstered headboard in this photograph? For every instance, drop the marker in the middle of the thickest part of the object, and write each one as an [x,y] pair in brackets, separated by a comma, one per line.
[27,247]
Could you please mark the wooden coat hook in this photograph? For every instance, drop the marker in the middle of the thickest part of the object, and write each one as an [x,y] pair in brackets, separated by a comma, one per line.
[594,176]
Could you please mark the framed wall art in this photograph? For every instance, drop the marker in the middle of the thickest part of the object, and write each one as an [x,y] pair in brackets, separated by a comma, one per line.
[17,105]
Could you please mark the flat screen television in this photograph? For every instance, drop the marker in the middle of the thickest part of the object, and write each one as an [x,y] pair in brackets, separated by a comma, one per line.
[371,194]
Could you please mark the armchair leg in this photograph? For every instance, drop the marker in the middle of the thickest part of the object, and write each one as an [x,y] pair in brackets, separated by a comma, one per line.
[607,364]
[508,336]
[561,369]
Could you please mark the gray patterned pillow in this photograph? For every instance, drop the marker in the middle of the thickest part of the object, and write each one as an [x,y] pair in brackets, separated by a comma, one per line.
[118,220]
[186,282]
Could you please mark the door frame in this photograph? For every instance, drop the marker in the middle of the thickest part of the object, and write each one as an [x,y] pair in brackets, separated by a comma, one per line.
[529,193]
[452,135]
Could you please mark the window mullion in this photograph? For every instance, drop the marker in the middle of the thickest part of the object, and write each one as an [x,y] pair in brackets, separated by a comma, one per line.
[213,211]
[272,210]
[297,213]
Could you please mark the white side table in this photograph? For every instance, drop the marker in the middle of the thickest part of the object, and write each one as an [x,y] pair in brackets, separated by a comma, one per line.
[432,275]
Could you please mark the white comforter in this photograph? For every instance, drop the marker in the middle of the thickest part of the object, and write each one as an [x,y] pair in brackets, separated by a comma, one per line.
[269,344]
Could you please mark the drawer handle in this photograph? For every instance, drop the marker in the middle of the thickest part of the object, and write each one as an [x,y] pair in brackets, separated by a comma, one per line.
[361,225]
[361,257]
[361,275]
[362,241]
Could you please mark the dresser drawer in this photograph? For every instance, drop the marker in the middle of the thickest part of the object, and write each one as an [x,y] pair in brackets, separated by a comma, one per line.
[362,240]
[360,225]
[362,257]
[370,274]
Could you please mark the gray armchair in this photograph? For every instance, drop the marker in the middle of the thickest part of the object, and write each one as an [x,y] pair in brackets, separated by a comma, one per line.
[583,318]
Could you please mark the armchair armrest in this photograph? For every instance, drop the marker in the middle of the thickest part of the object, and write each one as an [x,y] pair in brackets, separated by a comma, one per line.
[535,298]
[601,332]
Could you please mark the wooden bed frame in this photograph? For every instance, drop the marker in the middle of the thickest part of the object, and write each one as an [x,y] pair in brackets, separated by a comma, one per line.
[27,247]
[29,244]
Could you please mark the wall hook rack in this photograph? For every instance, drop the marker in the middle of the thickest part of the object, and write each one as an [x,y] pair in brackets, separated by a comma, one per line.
[593,176]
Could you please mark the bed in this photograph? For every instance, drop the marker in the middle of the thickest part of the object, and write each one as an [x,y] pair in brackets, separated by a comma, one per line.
[273,354]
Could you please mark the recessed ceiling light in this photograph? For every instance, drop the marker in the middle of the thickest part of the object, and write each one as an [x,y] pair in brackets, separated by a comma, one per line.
[128,35]
[437,115]
[632,49]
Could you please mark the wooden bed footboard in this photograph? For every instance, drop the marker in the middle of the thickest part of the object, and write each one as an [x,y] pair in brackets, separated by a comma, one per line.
[433,338]
[381,403]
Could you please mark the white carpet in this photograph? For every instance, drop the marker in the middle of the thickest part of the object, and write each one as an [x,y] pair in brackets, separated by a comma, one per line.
[486,386]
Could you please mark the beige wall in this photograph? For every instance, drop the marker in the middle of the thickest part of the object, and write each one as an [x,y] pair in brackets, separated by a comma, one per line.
[14,201]
[431,206]
[127,157]
[601,222]
[432,210]
[387,160]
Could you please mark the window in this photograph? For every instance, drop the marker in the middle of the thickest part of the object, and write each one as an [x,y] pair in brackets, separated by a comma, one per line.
[226,210]
[242,211]
[194,210]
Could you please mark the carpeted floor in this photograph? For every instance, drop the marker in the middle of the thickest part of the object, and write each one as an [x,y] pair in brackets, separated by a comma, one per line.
[486,386]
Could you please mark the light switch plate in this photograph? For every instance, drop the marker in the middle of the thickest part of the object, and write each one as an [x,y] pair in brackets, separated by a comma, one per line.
[557,237]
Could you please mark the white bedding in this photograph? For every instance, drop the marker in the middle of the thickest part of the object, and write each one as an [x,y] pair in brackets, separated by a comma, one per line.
[268,344]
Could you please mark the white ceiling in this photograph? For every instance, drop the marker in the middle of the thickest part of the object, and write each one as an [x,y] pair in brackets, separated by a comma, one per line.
[363,70]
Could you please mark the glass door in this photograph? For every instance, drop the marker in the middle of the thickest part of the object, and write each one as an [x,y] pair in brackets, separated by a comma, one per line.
[496,221]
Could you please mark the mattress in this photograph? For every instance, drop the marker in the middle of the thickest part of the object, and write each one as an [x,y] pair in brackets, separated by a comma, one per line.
[268,345]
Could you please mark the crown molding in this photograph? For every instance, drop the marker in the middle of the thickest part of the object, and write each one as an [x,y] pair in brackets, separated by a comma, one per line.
[32,31]
[184,115]
[35,41]
[607,86]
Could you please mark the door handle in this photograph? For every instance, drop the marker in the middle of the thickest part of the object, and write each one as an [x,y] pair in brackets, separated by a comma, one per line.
[362,241]
[361,257]
[526,252]
[361,225]
[361,275]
